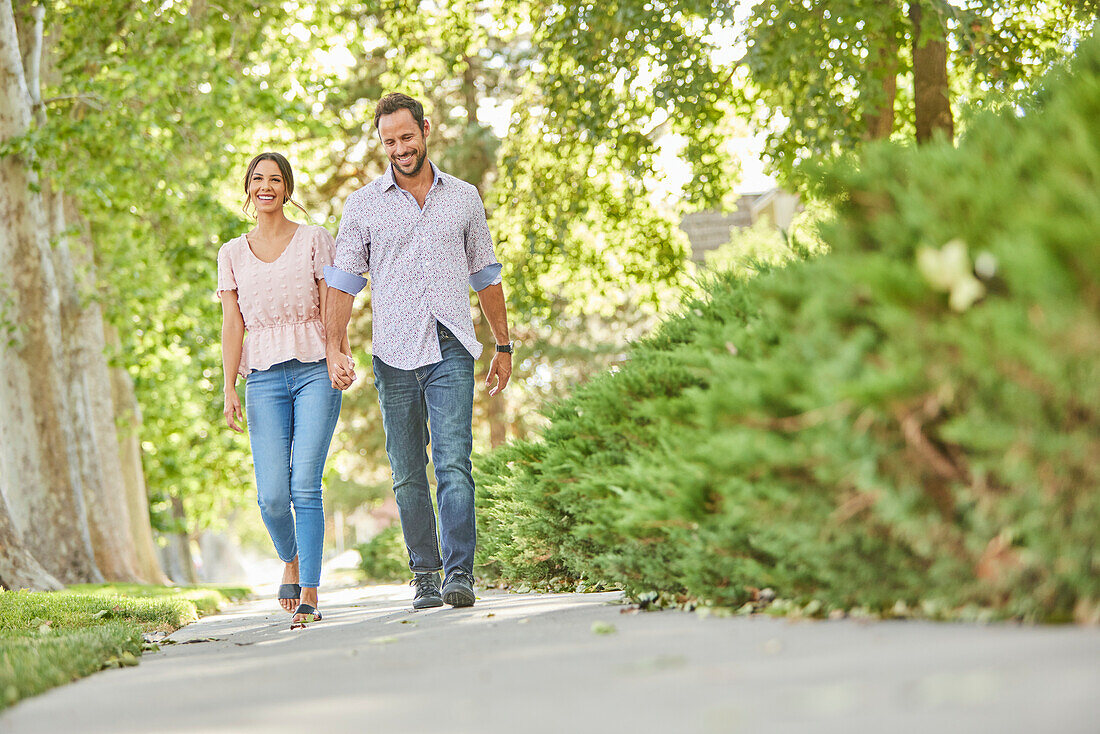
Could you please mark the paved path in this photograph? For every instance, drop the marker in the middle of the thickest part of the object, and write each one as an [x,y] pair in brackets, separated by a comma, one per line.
[529,663]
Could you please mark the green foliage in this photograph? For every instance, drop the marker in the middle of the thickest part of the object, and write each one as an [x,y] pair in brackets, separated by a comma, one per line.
[612,74]
[815,64]
[573,217]
[384,557]
[824,68]
[344,495]
[764,246]
[836,430]
[149,121]
[152,111]
[48,639]
[455,60]
[582,271]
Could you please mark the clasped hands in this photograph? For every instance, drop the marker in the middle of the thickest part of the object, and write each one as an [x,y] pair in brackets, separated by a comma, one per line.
[341,370]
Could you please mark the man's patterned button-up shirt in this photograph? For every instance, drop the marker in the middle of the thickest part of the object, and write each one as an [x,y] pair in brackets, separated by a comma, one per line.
[421,263]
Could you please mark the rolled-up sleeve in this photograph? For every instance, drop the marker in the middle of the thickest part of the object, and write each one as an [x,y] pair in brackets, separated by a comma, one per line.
[484,268]
[344,281]
[487,276]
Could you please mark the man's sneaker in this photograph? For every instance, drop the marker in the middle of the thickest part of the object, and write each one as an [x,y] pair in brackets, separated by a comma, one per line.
[427,591]
[459,590]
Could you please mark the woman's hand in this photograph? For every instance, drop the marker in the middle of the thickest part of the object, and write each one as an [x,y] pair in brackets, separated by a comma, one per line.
[341,369]
[232,410]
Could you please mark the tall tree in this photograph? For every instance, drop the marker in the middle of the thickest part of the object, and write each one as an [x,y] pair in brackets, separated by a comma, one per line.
[931,89]
[154,112]
[18,568]
[136,92]
[879,86]
[83,367]
[41,477]
[821,77]
[127,416]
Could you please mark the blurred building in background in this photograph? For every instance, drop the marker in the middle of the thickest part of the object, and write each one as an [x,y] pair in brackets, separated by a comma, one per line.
[709,230]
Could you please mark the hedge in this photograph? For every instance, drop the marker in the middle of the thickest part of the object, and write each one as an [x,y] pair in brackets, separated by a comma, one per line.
[910,422]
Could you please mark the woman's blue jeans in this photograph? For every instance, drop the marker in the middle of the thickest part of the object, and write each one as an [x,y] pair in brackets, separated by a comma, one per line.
[440,395]
[292,409]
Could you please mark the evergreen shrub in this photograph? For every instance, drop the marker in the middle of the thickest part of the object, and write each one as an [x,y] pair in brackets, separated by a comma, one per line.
[911,422]
[384,557]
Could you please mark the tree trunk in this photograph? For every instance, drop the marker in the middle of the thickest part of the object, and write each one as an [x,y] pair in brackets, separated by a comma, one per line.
[176,553]
[931,92]
[128,419]
[881,85]
[41,485]
[18,569]
[91,408]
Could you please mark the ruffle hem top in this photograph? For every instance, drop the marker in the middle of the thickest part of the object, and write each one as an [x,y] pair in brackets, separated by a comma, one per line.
[280,300]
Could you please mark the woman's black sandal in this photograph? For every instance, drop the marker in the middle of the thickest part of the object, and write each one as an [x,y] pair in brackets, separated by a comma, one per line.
[307,610]
[290,591]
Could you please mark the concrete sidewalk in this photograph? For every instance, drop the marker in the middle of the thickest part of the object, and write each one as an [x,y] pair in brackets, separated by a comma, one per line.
[533,663]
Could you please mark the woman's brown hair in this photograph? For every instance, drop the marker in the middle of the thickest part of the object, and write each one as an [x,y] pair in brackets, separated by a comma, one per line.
[284,169]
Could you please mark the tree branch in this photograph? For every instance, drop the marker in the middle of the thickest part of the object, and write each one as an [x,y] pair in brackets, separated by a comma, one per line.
[15,116]
[32,62]
[89,99]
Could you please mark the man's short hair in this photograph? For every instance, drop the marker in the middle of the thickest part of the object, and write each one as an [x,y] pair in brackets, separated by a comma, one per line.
[396,101]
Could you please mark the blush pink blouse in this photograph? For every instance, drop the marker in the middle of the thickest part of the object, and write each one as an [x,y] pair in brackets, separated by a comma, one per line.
[279,300]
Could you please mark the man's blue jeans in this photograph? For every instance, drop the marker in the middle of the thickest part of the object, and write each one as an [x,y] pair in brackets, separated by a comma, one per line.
[441,396]
[292,409]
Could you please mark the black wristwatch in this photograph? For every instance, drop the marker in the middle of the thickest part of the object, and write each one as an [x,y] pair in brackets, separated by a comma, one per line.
[505,348]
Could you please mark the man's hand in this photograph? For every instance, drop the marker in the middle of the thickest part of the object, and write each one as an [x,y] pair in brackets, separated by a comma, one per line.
[501,368]
[341,370]
[232,410]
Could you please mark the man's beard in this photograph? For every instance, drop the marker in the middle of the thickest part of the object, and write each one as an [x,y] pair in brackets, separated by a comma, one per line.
[420,158]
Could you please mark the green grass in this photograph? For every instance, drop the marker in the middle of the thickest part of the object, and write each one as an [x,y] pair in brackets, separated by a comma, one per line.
[206,597]
[51,638]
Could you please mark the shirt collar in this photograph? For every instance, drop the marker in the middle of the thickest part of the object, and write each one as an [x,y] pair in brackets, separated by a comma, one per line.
[388,181]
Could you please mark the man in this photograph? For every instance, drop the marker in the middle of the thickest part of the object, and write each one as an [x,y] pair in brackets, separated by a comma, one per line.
[422,237]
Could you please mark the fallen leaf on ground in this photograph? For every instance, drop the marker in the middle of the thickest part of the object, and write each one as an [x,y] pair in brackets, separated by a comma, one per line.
[654,664]
[603,628]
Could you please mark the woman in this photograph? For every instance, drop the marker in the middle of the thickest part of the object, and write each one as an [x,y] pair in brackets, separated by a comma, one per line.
[270,284]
